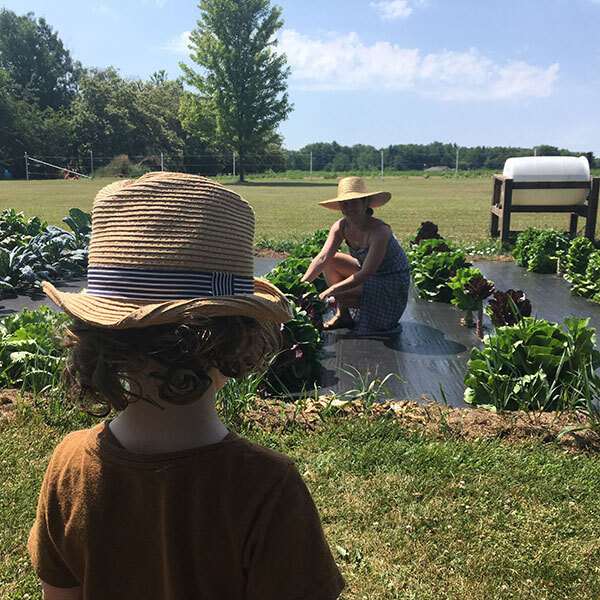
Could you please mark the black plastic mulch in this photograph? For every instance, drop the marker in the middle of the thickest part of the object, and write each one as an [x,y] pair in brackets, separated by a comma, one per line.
[433,348]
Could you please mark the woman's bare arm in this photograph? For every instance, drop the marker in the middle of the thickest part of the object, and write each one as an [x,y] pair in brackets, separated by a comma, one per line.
[331,246]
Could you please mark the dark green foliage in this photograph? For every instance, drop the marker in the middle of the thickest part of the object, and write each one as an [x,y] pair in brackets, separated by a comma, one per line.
[300,354]
[506,308]
[537,250]
[298,365]
[427,247]
[578,257]
[462,300]
[242,84]
[31,356]
[31,251]
[433,263]
[36,60]
[15,230]
[523,245]
[311,246]
[535,365]
[588,286]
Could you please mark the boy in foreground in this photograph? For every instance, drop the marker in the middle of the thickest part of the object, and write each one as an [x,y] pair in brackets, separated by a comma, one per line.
[163,501]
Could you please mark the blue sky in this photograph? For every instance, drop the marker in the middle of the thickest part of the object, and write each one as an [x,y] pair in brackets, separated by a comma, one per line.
[380,72]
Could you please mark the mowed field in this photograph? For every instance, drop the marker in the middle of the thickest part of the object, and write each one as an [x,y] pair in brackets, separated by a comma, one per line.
[288,210]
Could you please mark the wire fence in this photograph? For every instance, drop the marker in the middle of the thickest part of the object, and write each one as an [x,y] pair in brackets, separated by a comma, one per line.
[213,164]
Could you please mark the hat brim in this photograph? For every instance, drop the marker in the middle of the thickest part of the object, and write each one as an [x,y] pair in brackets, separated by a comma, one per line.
[376,199]
[266,304]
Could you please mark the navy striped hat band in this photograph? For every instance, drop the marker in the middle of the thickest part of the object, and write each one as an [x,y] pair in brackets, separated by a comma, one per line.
[166,285]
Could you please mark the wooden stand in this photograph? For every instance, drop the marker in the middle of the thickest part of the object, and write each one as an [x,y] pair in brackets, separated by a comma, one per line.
[503,210]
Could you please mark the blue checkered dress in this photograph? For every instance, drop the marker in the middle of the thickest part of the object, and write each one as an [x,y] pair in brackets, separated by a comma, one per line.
[384,294]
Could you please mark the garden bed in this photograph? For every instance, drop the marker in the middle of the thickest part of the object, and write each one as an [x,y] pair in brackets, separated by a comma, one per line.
[433,348]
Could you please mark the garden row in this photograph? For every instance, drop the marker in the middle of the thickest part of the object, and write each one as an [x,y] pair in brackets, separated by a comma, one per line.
[31,356]
[551,251]
[525,363]
[32,251]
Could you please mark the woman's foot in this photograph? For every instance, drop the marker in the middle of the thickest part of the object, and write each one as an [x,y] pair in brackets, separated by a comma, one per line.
[338,323]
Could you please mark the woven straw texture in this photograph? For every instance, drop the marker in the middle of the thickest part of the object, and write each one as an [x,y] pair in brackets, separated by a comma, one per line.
[172,222]
[350,188]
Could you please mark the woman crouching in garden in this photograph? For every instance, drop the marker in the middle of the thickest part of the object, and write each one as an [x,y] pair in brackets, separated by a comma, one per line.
[375,276]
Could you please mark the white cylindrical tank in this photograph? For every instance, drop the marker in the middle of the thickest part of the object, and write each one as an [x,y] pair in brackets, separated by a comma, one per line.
[548,168]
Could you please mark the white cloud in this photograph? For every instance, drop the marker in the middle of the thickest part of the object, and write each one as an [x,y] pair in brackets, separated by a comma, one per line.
[390,10]
[344,62]
[179,44]
[102,9]
[161,3]
[393,9]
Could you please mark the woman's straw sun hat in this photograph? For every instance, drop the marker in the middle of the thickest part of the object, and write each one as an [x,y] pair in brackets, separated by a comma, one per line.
[350,188]
[166,248]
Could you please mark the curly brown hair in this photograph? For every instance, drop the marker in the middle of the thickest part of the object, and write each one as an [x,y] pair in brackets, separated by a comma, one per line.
[103,364]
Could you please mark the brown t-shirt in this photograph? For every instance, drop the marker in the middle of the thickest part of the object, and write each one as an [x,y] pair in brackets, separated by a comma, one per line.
[228,521]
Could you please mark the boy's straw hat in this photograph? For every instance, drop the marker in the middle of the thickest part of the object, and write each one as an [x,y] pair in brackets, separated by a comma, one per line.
[166,248]
[350,188]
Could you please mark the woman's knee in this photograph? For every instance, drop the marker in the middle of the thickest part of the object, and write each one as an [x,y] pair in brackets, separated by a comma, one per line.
[343,264]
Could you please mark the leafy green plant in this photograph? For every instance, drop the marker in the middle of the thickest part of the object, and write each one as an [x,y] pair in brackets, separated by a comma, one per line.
[588,285]
[462,300]
[15,230]
[430,274]
[506,308]
[80,223]
[522,249]
[298,365]
[50,254]
[30,352]
[426,231]
[577,259]
[479,290]
[538,250]
[533,365]
[426,248]
[311,246]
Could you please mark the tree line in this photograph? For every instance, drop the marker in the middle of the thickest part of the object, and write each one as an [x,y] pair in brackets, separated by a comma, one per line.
[52,106]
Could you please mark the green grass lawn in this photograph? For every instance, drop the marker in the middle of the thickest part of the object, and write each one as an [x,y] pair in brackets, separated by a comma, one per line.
[288,210]
[406,517]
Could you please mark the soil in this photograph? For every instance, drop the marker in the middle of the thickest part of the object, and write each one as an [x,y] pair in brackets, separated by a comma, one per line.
[434,420]
[268,253]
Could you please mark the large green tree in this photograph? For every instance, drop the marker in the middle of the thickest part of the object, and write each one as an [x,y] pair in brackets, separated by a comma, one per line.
[35,59]
[115,115]
[242,83]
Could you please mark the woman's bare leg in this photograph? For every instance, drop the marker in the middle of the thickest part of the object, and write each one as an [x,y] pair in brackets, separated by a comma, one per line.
[341,267]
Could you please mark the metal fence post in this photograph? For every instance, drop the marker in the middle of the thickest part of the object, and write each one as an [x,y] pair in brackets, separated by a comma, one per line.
[162,162]
[233,154]
[382,165]
[91,163]
[26,167]
[456,169]
[311,165]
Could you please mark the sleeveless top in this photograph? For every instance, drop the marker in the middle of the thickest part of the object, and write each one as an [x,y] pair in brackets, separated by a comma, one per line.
[385,293]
